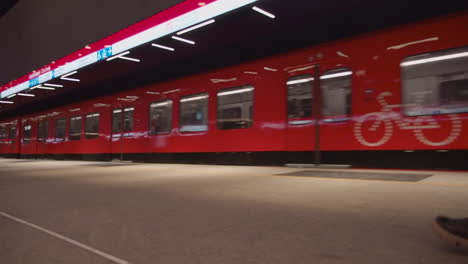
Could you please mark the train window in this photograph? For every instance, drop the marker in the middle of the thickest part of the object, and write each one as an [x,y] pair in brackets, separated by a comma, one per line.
[92,126]
[235,107]
[75,128]
[300,96]
[12,133]
[3,132]
[27,134]
[194,113]
[117,121]
[42,131]
[128,119]
[160,117]
[336,92]
[60,129]
[436,82]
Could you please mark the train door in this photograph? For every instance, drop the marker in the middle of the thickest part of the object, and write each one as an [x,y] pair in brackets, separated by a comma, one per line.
[318,101]
[303,114]
[122,127]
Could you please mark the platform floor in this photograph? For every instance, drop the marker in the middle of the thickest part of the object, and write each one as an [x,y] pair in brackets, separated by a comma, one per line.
[84,212]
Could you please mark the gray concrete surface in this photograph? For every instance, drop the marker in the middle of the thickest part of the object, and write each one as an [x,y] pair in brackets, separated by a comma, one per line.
[164,213]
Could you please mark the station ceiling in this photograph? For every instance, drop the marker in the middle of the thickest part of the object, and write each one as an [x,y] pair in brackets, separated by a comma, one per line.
[235,37]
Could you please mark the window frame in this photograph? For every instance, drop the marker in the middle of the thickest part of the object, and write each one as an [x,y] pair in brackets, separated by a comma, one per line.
[171,103]
[425,110]
[28,140]
[202,96]
[340,118]
[300,120]
[86,132]
[72,136]
[60,139]
[248,88]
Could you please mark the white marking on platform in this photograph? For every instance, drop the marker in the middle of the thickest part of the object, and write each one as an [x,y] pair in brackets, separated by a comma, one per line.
[66,239]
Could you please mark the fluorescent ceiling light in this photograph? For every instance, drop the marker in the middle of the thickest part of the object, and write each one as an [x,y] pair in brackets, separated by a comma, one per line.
[335,75]
[184,40]
[171,91]
[196,26]
[122,56]
[118,55]
[250,72]
[263,12]
[25,94]
[65,77]
[168,102]
[11,96]
[117,111]
[162,47]
[433,59]
[129,59]
[149,92]
[129,109]
[53,85]
[6,102]
[194,98]
[300,81]
[236,91]
[269,69]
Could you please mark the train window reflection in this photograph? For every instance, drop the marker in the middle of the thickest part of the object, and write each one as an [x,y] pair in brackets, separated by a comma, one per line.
[235,107]
[160,117]
[75,128]
[27,134]
[42,131]
[92,126]
[60,129]
[194,113]
[336,92]
[3,132]
[300,96]
[116,121]
[12,133]
[436,82]
[128,119]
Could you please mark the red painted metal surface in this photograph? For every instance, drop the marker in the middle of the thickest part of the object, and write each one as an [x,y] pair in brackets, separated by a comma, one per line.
[375,68]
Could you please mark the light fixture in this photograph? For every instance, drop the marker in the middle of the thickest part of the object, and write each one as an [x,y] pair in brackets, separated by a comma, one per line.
[168,102]
[65,77]
[183,40]
[434,59]
[53,85]
[25,94]
[162,47]
[300,81]
[269,69]
[171,91]
[194,98]
[149,92]
[250,72]
[263,12]
[122,56]
[11,96]
[335,75]
[195,27]
[236,91]
[6,102]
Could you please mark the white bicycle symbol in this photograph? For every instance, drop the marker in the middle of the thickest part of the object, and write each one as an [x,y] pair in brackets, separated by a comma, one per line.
[418,125]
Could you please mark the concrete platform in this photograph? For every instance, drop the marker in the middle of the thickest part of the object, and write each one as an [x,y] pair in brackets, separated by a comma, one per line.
[83,212]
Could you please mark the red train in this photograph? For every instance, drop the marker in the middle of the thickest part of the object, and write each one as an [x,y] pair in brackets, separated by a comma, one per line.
[393,98]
